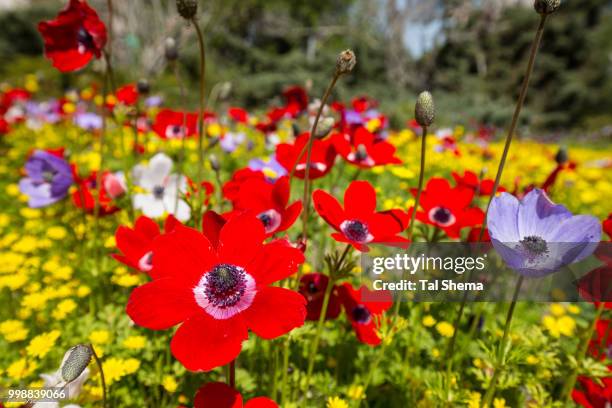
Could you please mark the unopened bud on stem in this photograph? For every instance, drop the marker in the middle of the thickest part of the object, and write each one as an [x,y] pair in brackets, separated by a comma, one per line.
[561,157]
[170,49]
[424,109]
[143,87]
[76,363]
[325,126]
[546,6]
[187,8]
[345,62]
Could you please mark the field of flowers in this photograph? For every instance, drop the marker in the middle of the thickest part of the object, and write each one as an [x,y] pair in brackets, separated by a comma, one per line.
[142,265]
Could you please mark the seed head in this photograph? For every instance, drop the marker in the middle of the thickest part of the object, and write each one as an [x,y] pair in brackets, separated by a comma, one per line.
[424,109]
[143,86]
[345,62]
[561,157]
[170,49]
[76,363]
[187,8]
[546,6]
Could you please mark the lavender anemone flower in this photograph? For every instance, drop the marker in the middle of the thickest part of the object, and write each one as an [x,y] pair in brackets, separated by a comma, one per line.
[536,237]
[48,179]
[88,121]
[271,168]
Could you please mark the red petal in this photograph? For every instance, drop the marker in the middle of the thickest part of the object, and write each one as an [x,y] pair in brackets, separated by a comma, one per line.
[275,311]
[241,239]
[329,208]
[275,261]
[211,226]
[280,192]
[261,402]
[161,304]
[290,215]
[203,343]
[359,200]
[217,395]
[146,226]
[184,254]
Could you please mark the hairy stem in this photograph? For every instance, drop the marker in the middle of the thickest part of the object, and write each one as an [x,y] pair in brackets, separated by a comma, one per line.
[102,379]
[200,199]
[421,177]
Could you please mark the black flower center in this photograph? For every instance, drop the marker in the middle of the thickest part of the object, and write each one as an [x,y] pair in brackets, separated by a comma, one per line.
[361,314]
[355,230]
[442,215]
[225,284]
[158,192]
[312,288]
[48,176]
[85,39]
[265,218]
[534,245]
[361,153]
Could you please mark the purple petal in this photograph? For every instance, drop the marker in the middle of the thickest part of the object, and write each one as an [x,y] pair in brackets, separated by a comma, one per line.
[538,216]
[577,237]
[502,216]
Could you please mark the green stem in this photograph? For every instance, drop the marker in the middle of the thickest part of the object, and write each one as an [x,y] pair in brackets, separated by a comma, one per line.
[199,204]
[420,188]
[499,364]
[517,111]
[284,388]
[181,157]
[322,315]
[570,382]
[102,379]
[306,195]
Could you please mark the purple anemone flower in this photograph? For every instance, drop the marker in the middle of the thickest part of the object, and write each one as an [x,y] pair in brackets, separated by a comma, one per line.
[536,237]
[88,121]
[48,179]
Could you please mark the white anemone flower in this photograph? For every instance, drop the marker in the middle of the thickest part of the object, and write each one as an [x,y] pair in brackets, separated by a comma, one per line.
[160,189]
[55,380]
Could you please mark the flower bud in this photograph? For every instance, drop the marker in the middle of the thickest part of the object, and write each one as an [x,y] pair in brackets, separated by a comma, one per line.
[214,162]
[325,126]
[561,157]
[143,86]
[345,62]
[76,363]
[424,109]
[170,49]
[546,6]
[187,8]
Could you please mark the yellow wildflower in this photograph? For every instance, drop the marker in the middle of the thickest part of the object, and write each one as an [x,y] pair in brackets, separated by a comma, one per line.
[356,392]
[13,330]
[429,321]
[169,383]
[445,329]
[64,308]
[336,402]
[135,342]
[41,345]
[99,336]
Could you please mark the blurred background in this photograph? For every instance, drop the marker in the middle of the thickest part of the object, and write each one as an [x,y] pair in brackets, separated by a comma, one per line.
[470,53]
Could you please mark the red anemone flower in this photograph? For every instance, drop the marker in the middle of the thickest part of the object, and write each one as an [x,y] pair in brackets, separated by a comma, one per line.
[194,191]
[358,223]
[321,160]
[218,293]
[113,186]
[363,150]
[136,244]
[232,187]
[313,287]
[220,395]
[75,36]
[447,207]
[171,124]
[296,100]
[470,180]
[592,394]
[269,202]
[238,114]
[607,226]
[364,309]
[127,94]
